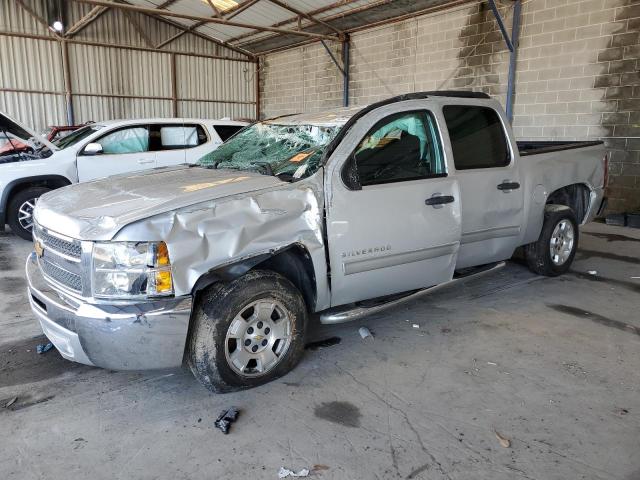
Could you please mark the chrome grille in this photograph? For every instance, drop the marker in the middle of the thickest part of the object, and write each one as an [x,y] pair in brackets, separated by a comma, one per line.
[64,277]
[61,259]
[68,248]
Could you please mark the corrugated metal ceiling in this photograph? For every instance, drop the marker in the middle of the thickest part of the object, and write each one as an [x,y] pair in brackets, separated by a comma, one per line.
[343,14]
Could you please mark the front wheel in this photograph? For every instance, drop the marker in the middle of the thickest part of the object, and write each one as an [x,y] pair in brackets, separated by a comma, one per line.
[553,253]
[246,332]
[20,211]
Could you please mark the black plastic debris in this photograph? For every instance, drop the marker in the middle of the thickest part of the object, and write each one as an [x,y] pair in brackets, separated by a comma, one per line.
[226,418]
[44,347]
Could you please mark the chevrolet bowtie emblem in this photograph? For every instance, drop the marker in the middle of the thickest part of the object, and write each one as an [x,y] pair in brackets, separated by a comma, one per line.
[37,246]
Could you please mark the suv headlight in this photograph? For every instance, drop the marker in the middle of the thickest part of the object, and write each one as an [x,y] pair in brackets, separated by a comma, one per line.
[131,270]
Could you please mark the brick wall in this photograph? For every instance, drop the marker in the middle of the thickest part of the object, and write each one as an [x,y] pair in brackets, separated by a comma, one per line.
[577,73]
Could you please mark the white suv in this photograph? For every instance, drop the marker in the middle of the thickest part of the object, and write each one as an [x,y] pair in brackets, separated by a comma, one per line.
[95,151]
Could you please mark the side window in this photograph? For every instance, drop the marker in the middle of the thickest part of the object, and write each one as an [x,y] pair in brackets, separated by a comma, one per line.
[125,140]
[401,147]
[227,131]
[176,137]
[477,137]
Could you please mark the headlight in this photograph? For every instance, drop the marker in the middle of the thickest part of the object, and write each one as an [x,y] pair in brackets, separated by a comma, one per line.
[131,270]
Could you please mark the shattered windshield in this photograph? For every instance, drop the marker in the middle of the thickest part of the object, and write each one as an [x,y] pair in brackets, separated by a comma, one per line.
[287,151]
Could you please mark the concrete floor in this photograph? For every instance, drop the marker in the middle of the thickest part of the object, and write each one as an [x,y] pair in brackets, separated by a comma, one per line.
[551,364]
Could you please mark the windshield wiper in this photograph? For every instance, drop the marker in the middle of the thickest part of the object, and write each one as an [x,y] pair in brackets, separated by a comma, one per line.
[266,166]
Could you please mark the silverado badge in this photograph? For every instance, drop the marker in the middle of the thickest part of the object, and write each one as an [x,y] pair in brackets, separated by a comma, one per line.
[37,246]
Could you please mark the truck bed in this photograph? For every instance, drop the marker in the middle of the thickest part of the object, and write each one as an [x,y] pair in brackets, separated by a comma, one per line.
[535,147]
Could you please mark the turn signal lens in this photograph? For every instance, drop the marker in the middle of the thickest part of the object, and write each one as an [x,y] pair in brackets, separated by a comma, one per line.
[161,255]
[163,281]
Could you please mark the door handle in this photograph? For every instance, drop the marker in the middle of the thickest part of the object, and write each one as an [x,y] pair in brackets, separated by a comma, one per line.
[142,161]
[506,185]
[438,201]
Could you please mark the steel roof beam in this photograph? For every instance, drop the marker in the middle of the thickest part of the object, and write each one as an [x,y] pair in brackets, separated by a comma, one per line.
[72,41]
[138,28]
[85,21]
[37,17]
[295,19]
[240,8]
[309,17]
[219,21]
[191,29]
[216,12]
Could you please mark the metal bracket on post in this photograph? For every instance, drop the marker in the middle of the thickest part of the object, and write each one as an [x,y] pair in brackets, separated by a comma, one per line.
[345,71]
[344,68]
[512,45]
[333,57]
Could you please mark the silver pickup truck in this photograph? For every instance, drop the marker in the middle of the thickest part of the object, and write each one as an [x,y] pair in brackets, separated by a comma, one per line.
[338,214]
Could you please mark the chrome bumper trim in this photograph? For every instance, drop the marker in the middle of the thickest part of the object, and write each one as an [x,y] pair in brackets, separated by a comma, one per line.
[130,336]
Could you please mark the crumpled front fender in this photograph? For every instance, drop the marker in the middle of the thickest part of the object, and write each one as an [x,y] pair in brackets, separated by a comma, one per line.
[225,231]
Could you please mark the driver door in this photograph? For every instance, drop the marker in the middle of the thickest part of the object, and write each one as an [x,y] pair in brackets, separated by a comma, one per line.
[393,213]
[124,150]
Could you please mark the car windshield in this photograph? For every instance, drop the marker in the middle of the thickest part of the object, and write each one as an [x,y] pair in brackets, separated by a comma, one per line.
[76,136]
[287,151]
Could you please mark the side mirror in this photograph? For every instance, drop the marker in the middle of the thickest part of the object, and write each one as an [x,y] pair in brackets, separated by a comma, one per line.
[92,149]
[350,175]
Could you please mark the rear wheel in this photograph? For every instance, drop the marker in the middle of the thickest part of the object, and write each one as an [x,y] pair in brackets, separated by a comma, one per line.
[247,332]
[553,253]
[20,211]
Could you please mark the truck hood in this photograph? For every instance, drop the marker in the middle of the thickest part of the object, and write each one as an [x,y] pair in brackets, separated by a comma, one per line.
[98,210]
[16,129]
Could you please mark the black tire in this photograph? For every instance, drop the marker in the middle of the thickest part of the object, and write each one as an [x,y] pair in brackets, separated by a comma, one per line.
[538,254]
[13,211]
[213,314]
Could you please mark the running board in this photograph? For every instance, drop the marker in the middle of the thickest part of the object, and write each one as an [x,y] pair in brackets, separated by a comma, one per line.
[353,312]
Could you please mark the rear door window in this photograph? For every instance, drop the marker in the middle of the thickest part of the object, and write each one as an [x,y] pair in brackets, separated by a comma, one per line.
[177,137]
[227,131]
[477,137]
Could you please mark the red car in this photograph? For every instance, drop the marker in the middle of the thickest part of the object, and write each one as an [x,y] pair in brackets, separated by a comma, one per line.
[51,133]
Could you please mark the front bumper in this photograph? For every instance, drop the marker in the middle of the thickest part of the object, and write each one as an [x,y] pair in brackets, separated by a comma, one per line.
[131,336]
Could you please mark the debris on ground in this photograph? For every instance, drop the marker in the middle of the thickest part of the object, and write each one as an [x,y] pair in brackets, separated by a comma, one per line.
[226,418]
[592,272]
[11,402]
[445,330]
[492,363]
[504,441]
[44,347]
[285,472]
[319,467]
[365,333]
[415,325]
[79,443]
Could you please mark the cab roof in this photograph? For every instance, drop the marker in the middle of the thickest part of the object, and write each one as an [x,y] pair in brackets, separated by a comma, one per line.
[341,115]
